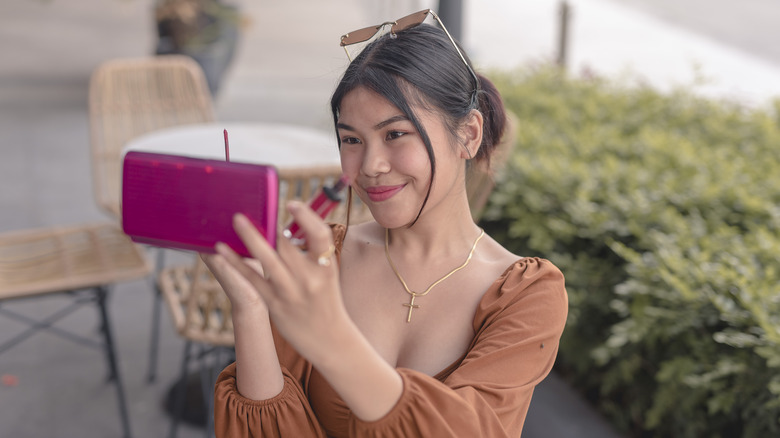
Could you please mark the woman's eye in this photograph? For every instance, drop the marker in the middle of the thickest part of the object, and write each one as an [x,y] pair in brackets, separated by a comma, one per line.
[392,135]
[350,140]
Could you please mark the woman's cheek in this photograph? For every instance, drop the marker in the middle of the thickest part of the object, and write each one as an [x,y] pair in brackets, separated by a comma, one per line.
[414,163]
[350,163]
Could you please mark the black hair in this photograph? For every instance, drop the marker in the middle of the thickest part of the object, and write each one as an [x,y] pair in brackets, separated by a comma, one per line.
[420,67]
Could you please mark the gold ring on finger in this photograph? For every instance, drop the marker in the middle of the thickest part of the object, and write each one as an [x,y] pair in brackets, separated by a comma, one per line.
[324,258]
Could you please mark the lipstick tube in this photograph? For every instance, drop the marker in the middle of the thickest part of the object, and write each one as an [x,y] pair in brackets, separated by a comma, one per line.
[322,204]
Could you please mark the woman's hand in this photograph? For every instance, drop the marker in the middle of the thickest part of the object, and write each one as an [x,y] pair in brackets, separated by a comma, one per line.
[303,295]
[301,289]
[241,293]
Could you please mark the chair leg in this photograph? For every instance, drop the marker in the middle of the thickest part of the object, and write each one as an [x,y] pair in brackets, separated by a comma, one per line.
[154,341]
[181,396]
[44,324]
[207,387]
[101,294]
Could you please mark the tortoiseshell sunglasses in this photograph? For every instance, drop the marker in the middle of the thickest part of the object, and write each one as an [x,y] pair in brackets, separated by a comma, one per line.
[409,21]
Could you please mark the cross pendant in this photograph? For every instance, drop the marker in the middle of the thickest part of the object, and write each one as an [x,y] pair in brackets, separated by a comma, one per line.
[411,307]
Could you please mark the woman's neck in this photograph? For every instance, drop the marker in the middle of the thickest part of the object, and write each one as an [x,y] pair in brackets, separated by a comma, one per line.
[437,233]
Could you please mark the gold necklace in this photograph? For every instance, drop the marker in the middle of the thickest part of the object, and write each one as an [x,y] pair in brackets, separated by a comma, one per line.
[414,294]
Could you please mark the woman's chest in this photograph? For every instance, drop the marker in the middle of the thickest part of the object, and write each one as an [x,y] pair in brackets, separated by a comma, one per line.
[428,332]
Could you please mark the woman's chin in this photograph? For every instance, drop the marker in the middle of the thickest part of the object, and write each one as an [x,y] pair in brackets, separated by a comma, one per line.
[389,219]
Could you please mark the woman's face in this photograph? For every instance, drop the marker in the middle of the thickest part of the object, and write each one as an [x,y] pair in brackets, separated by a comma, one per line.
[385,158]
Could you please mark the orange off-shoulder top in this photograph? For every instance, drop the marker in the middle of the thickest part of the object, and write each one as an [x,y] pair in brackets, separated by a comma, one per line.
[486,393]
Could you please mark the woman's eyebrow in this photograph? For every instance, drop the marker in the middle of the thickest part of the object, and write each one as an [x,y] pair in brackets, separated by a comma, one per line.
[393,119]
[378,126]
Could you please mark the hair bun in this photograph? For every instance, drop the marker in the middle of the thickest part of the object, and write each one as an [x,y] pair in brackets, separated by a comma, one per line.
[494,114]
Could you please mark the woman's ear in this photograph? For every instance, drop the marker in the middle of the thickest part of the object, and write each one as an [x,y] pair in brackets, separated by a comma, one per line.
[471,134]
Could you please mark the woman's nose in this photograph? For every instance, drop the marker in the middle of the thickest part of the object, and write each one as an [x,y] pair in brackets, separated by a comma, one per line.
[375,160]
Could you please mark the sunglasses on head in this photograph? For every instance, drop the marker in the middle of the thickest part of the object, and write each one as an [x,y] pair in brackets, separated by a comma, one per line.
[403,23]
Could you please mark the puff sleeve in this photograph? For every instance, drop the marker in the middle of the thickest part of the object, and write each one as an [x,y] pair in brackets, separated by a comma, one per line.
[287,414]
[518,328]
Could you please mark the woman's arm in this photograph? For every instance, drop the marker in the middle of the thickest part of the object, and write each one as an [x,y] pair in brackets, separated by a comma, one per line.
[303,295]
[255,396]
[258,374]
[361,377]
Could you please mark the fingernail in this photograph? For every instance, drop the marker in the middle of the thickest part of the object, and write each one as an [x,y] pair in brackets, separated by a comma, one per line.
[293,206]
[220,248]
[240,220]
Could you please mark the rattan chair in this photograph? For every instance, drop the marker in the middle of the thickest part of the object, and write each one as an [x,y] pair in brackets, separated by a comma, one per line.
[82,261]
[129,97]
[306,182]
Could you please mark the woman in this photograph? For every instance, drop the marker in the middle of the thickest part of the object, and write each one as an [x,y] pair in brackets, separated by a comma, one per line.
[416,323]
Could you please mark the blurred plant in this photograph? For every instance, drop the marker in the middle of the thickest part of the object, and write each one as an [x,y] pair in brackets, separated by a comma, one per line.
[663,212]
[193,23]
[206,30]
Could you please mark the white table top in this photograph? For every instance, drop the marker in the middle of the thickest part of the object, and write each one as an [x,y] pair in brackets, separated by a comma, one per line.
[284,146]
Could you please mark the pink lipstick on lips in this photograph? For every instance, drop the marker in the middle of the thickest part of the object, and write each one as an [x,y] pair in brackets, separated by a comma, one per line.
[383,193]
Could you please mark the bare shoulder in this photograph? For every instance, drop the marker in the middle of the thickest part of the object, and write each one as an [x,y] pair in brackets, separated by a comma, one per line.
[495,254]
[362,239]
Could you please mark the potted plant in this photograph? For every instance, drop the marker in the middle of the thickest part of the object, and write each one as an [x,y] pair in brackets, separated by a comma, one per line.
[206,30]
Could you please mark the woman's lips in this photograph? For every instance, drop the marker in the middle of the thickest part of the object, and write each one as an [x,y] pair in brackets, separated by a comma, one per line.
[382,193]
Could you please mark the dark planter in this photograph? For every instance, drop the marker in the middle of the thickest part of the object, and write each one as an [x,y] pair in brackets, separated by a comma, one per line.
[210,38]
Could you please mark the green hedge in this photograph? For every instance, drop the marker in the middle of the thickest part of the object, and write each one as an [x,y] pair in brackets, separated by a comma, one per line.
[663,212]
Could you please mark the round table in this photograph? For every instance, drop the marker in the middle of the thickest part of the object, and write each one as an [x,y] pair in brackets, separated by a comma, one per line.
[284,146]
[305,158]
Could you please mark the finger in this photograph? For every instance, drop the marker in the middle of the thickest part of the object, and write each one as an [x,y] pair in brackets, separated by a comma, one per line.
[214,262]
[231,260]
[217,261]
[249,234]
[238,288]
[259,248]
[223,271]
[217,265]
[255,264]
[293,257]
[319,237]
[207,258]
